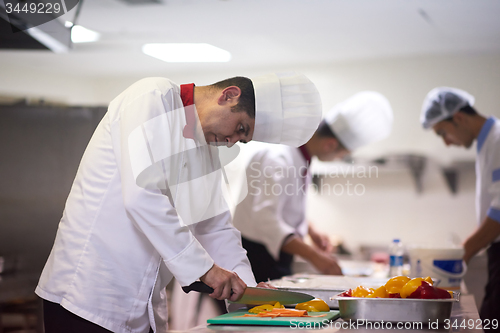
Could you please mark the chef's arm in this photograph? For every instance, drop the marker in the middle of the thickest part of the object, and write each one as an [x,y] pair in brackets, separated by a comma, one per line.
[320,240]
[222,241]
[323,262]
[145,202]
[486,233]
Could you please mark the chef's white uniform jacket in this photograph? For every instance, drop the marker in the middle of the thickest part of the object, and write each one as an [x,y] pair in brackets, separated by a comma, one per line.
[488,171]
[274,207]
[121,240]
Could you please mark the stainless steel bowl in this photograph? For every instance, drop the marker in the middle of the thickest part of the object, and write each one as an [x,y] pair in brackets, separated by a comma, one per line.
[425,311]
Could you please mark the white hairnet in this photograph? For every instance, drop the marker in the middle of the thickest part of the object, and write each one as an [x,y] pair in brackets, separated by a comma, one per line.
[442,103]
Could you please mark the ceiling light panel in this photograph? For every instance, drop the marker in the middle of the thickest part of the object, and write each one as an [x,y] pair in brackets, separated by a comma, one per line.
[81,34]
[186,52]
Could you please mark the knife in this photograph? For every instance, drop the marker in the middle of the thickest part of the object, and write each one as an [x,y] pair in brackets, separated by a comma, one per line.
[255,295]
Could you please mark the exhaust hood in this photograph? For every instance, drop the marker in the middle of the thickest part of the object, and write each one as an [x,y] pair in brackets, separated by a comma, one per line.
[52,35]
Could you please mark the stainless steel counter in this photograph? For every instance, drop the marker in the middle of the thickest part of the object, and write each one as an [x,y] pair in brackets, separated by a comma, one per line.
[464,312]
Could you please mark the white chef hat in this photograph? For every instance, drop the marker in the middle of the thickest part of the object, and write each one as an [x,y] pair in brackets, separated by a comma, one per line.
[364,118]
[441,103]
[287,108]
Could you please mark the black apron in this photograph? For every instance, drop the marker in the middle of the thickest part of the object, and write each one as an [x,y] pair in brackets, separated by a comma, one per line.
[59,320]
[264,266]
[490,309]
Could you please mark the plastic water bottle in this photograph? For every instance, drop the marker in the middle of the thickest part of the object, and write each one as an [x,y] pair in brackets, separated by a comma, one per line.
[396,258]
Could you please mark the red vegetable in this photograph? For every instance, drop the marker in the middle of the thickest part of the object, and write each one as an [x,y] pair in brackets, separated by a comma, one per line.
[428,291]
[347,293]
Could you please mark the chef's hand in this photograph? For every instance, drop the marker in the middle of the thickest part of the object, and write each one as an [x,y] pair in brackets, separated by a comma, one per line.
[266,285]
[322,241]
[326,264]
[226,284]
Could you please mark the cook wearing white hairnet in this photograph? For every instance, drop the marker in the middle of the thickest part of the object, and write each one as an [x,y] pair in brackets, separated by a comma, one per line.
[450,113]
[272,217]
[147,204]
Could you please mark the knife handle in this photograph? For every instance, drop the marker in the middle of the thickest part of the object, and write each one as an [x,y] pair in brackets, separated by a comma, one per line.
[199,287]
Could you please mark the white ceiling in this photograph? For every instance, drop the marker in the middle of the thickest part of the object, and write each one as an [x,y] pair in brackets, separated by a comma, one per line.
[267,33]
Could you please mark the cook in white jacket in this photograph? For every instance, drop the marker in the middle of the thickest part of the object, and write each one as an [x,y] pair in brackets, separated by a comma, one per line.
[450,113]
[146,203]
[272,217]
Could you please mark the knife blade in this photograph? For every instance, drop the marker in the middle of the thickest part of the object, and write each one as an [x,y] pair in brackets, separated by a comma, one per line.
[255,295]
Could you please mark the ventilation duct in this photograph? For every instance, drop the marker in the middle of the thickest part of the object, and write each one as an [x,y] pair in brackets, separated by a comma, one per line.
[18,32]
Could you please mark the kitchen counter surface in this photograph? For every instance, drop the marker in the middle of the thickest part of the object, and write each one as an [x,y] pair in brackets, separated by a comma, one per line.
[464,312]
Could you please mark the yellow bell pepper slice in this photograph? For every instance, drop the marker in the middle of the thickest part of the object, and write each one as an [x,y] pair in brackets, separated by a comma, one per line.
[314,305]
[261,308]
[394,285]
[380,292]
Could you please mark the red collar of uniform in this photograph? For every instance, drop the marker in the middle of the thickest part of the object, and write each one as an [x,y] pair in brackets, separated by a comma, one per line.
[306,155]
[187,96]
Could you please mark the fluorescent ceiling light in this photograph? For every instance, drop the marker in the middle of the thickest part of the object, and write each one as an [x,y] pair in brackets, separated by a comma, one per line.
[80,34]
[186,52]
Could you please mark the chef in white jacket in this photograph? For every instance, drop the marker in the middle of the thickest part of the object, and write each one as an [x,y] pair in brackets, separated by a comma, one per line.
[272,217]
[146,203]
[450,113]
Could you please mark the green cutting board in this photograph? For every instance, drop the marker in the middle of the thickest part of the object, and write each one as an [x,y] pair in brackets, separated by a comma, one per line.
[235,318]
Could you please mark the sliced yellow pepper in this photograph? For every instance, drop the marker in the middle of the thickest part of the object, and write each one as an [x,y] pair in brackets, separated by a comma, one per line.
[380,292]
[266,307]
[278,306]
[429,280]
[361,291]
[394,285]
[261,308]
[314,305]
[410,287]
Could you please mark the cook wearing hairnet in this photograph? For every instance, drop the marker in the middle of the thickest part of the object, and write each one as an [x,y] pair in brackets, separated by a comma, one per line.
[272,217]
[450,113]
